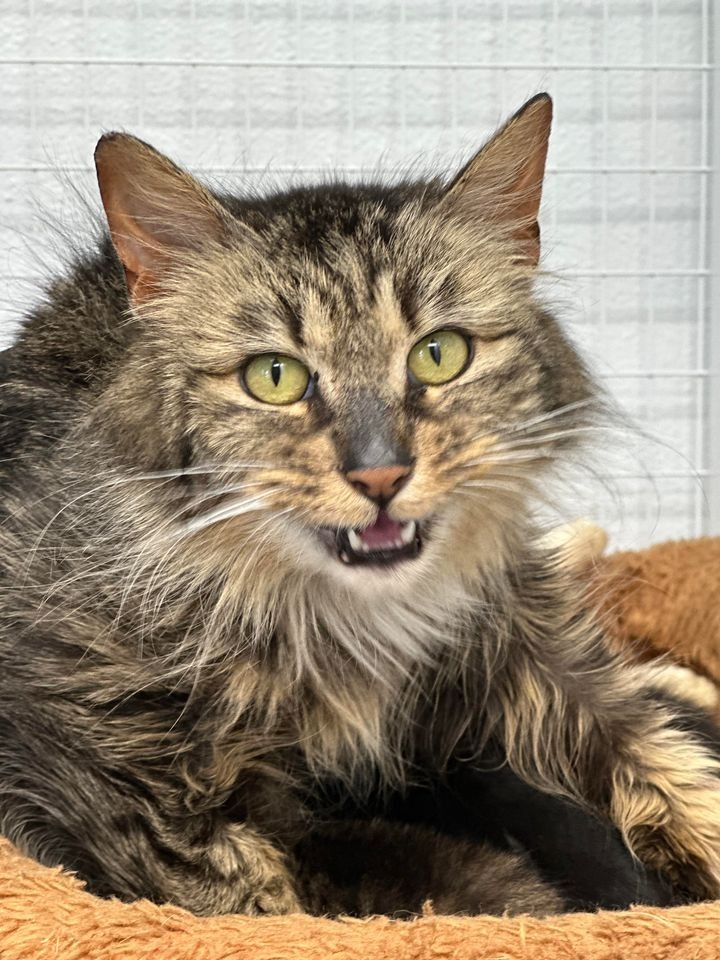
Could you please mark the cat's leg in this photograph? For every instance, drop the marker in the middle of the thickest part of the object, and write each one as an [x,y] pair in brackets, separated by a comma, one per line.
[360,868]
[115,832]
[577,851]
[240,871]
[677,767]
[219,868]
[595,731]
[232,869]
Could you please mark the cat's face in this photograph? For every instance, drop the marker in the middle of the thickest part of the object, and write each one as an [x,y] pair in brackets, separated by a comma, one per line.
[364,373]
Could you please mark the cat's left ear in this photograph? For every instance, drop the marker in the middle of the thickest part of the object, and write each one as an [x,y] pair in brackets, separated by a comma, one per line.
[155,210]
[503,181]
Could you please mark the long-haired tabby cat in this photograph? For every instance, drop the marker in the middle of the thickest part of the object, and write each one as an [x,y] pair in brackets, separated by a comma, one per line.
[268,538]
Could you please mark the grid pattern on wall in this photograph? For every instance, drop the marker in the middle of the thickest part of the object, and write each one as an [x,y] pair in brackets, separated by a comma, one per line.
[252,93]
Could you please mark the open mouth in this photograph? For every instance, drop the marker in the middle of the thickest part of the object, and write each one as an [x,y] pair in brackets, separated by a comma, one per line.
[385,542]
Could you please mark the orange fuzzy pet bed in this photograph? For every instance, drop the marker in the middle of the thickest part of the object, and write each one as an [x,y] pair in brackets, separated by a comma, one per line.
[661,600]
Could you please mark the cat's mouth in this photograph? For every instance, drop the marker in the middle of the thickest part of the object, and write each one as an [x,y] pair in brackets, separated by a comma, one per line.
[384,542]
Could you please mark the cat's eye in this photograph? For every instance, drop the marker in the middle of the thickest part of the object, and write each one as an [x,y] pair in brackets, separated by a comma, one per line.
[275,378]
[439,357]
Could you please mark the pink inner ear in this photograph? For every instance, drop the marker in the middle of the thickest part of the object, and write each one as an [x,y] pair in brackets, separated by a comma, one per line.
[503,181]
[139,255]
[153,208]
[134,253]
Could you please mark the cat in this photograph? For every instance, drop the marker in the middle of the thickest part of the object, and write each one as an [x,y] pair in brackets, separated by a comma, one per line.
[269,536]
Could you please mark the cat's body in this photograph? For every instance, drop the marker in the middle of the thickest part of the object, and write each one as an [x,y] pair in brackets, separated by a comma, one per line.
[192,638]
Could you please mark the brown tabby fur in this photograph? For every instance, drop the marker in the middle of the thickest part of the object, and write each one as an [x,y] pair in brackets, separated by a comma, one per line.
[185,660]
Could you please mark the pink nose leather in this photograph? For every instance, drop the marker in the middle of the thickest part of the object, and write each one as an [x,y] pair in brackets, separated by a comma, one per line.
[379,483]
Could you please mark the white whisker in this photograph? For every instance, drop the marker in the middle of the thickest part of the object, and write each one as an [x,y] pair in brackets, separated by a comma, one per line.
[554,435]
[542,418]
[490,485]
[532,423]
[235,509]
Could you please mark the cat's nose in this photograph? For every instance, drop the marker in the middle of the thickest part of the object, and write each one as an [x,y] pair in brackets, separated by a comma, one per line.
[379,483]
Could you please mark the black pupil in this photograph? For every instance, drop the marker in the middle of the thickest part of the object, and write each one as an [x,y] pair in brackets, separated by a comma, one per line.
[275,371]
[434,349]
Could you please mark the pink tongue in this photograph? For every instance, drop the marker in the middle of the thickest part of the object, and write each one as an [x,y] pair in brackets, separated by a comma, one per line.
[383,533]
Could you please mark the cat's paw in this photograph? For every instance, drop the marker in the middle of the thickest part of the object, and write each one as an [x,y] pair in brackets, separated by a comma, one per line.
[255,872]
[276,896]
[673,826]
[693,873]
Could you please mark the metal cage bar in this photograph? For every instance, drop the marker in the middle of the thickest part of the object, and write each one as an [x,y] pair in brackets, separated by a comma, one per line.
[711,518]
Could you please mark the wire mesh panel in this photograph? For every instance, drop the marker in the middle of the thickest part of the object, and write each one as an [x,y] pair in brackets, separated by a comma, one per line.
[254,93]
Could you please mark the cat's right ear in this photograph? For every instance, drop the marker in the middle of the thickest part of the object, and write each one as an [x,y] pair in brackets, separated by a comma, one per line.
[154,210]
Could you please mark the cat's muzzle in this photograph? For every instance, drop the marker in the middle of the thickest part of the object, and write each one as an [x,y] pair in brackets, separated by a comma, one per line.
[384,542]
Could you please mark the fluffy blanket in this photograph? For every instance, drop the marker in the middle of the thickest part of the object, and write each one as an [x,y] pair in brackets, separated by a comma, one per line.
[661,600]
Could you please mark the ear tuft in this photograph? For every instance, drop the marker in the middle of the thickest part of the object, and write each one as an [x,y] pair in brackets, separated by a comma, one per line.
[154,209]
[503,181]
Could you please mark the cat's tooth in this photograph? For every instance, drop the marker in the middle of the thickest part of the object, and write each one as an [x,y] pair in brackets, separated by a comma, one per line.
[355,542]
[407,533]
[344,557]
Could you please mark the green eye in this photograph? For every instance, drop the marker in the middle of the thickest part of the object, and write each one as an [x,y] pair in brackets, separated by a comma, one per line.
[274,378]
[439,357]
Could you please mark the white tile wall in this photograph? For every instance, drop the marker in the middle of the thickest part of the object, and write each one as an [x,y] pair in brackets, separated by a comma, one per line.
[237,89]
